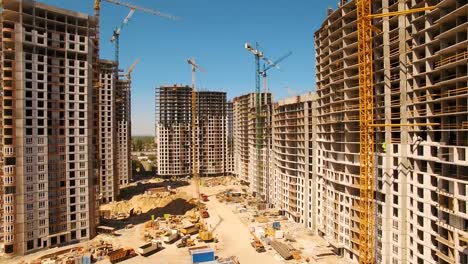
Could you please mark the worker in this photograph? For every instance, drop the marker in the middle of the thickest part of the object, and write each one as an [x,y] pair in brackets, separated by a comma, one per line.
[384,147]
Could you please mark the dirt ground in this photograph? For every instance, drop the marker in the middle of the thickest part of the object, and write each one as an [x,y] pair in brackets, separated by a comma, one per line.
[230,228]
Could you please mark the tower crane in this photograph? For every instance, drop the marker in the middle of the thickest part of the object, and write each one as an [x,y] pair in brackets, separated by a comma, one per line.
[366,125]
[195,173]
[131,68]
[128,75]
[271,65]
[116,35]
[258,122]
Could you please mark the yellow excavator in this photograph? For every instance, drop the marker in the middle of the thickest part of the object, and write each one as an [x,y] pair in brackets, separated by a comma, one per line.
[204,234]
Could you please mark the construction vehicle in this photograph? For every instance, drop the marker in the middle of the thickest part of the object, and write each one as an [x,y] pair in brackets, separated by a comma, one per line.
[204,213]
[190,230]
[121,254]
[257,244]
[170,236]
[148,248]
[204,234]
[186,241]
[194,218]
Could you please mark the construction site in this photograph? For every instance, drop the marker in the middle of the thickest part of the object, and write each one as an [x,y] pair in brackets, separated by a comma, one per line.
[369,167]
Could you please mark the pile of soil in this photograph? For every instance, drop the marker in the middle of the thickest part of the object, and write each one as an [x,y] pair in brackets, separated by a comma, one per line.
[144,203]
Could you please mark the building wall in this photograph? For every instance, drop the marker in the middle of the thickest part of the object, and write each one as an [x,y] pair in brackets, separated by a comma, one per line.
[251,164]
[48,182]
[421,171]
[241,137]
[124,134]
[174,134]
[212,133]
[108,141]
[293,152]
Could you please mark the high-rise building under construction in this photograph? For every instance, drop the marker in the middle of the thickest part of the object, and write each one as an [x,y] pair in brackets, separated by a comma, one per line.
[421,104]
[252,142]
[421,174]
[174,132]
[48,184]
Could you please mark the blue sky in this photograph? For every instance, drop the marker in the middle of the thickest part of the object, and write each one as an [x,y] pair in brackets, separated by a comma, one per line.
[214,32]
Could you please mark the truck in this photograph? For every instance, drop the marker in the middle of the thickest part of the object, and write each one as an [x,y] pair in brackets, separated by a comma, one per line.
[257,244]
[204,213]
[148,248]
[121,254]
[190,230]
[204,197]
[171,236]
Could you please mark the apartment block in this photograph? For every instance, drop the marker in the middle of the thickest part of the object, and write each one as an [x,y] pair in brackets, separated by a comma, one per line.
[107,137]
[252,155]
[47,192]
[124,134]
[230,137]
[294,154]
[174,133]
[420,76]
[212,134]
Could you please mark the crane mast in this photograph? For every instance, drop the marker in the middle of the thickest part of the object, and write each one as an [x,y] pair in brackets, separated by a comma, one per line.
[258,119]
[195,173]
[366,125]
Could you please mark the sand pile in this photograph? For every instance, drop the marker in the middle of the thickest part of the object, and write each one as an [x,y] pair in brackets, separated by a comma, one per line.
[144,203]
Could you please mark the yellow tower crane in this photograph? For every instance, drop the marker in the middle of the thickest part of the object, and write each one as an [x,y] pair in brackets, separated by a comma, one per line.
[366,124]
[195,173]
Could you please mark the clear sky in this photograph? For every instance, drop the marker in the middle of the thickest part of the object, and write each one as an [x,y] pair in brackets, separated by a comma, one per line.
[214,32]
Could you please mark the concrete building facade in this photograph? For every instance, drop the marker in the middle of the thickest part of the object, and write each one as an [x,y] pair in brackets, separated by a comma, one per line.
[48,180]
[174,133]
[293,154]
[107,137]
[252,165]
[421,171]
[124,133]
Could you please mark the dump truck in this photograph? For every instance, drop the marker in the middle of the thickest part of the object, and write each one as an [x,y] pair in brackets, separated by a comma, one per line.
[190,230]
[171,236]
[121,254]
[148,248]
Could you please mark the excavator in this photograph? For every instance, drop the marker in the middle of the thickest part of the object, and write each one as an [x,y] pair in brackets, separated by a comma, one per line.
[186,241]
[204,234]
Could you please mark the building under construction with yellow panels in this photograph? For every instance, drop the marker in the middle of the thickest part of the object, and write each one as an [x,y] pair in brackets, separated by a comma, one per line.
[420,76]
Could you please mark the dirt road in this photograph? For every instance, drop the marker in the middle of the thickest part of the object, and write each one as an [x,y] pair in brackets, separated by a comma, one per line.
[233,235]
